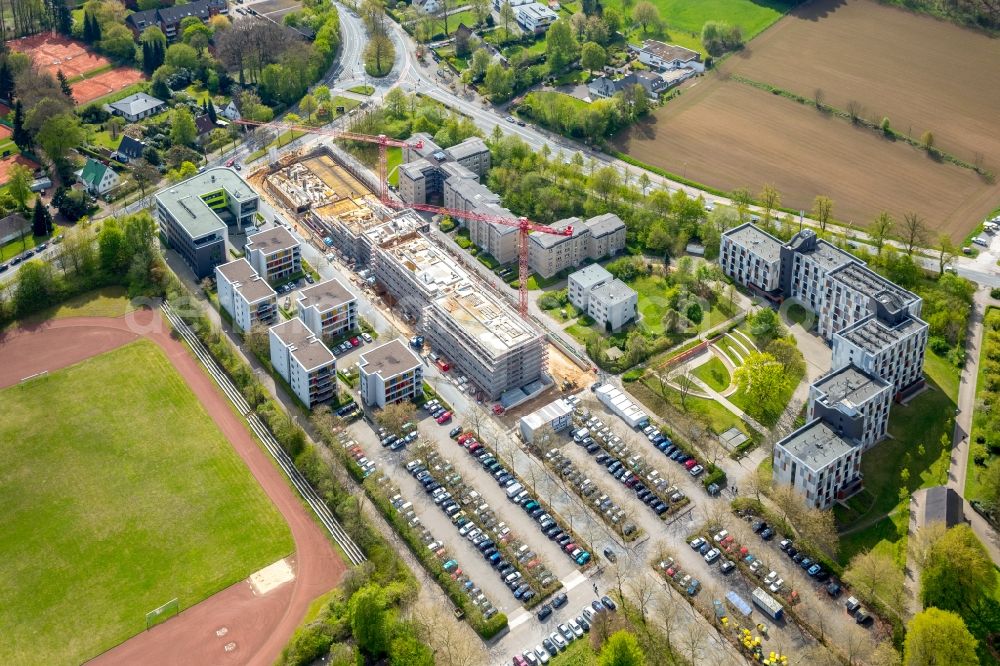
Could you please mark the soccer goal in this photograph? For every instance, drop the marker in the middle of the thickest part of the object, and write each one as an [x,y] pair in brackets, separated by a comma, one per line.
[164,612]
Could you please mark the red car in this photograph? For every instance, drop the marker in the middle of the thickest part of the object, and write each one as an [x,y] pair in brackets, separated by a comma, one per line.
[570,547]
[464,436]
[355,342]
[475,447]
[690,463]
[444,418]
[231,162]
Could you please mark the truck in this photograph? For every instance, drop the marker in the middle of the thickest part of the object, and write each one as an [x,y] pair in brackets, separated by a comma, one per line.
[766,603]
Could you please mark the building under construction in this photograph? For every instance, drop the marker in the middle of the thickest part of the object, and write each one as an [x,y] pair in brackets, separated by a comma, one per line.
[481,336]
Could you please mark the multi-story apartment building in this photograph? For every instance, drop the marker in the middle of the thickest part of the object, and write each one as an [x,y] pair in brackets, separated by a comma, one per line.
[195,214]
[168,19]
[853,403]
[582,282]
[892,349]
[613,305]
[534,17]
[818,463]
[304,362]
[246,296]
[274,254]
[878,340]
[595,238]
[422,175]
[390,373]
[329,309]
[481,336]
[752,257]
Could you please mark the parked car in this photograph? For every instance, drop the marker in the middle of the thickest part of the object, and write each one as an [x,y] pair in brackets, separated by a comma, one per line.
[544,612]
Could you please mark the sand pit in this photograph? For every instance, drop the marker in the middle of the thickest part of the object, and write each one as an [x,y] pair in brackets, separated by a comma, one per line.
[271,577]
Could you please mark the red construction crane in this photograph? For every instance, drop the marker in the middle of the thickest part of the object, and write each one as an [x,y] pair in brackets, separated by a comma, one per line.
[381,140]
[522,224]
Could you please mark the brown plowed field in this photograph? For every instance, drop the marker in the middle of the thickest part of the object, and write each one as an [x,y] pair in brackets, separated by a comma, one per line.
[234,626]
[922,73]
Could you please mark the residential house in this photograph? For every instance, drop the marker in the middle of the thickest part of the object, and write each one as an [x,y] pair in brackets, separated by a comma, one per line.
[233,110]
[274,253]
[328,309]
[660,55]
[204,124]
[129,149]
[604,86]
[534,17]
[246,296]
[613,305]
[138,106]
[582,282]
[818,463]
[168,19]
[98,178]
[13,227]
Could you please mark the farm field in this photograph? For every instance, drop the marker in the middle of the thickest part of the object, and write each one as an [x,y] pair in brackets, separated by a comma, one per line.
[727,134]
[131,497]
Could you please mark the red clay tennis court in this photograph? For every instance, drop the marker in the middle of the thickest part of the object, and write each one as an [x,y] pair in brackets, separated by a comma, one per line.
[5,133]
[53,52]
[7,162]
[105,83]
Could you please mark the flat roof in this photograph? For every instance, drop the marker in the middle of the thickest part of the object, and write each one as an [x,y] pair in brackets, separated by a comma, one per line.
[816,445]
[183,200]
[272,240]
[756,240]
[325,295]
[238,270]
[864,280]
[669,51]
[245,281]
[823,253]
[850,386]
[388,360]
[493,324]
[306,348]
[590,275]
[547,414]
[874,335]
[615,291]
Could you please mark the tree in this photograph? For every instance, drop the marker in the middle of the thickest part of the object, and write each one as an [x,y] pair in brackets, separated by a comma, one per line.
[60,133]
[946,252]
[308,106]
[19,179]
[621,649]
[64,85]
[379,55]
[884,654]
[914,231]
[482,9]
[6,80]
[145,174]
[20,134]
[561,47]
[181,55]
[393,416]
[760,378]
[694,313]
[718,37]
[197,35]
[936,637]
[646,14]
[182,128]
[875,576]
[770,200]
[368,620]
[111,248]
[764,324]
[406,650]
[506,17]
[958,569]
[41,219]
[119,43]
[605,182]
[881,230]
[592,56]
[34,287]
[742,199]
[499,82]
[480,61]
[822,210]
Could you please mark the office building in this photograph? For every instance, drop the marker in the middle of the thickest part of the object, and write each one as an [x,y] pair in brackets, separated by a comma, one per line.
[274,254]
[246,296]
[303,361]
[195,214]
[390,373]
[329,309]
[818,463]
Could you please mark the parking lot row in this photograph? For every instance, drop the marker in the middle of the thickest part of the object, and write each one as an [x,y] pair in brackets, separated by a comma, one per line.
[517,566]
[565,632]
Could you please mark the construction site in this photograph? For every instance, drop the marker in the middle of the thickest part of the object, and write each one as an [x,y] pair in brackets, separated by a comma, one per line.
[505,356]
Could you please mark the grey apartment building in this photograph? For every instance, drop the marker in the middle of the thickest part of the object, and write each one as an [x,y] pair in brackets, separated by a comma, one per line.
[195,215]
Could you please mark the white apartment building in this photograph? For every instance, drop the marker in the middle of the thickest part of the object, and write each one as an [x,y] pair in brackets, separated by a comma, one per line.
[751,257]
[246,296]
[854,291]
[534,17]
[329,309]
[819,464]
[304,362]
[613,305]
[274,254]
[807,261]
[853,403]
[582,282]
[894,352]
[390,373]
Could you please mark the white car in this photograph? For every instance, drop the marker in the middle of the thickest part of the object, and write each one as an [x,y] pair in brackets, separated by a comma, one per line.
[575,628]
[696,543]
[712,555]
[776,585]
[557,638]
[770,578]
[542,654]
[756,566]
[720,536]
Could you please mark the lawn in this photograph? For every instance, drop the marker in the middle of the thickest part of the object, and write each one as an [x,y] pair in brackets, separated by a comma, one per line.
[718,418]
[652,304]
[393,158]
[108,514]
[973,471]
[690,15]
[362,90]
[467,17]
[796,314]
[16,247]
[734,352]
[713,373]
[579,653]
[106,302]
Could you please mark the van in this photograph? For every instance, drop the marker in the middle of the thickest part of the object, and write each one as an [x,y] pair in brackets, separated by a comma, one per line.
[514,490]
[852,604]
[581,435]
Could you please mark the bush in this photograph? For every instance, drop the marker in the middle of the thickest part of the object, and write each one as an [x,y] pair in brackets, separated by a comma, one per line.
[995,293]
[979,454]
[715,475]
[938,345]
[447,224]
[633,375]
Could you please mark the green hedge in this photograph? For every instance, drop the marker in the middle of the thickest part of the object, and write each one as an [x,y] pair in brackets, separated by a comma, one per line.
[715,475]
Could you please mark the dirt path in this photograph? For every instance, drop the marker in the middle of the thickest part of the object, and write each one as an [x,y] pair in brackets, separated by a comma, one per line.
[233,626]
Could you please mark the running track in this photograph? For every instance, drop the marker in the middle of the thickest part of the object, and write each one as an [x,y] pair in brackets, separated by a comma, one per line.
[233,626]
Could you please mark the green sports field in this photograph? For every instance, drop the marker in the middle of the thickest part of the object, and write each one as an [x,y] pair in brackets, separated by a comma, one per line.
[690,15]
[118,493]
